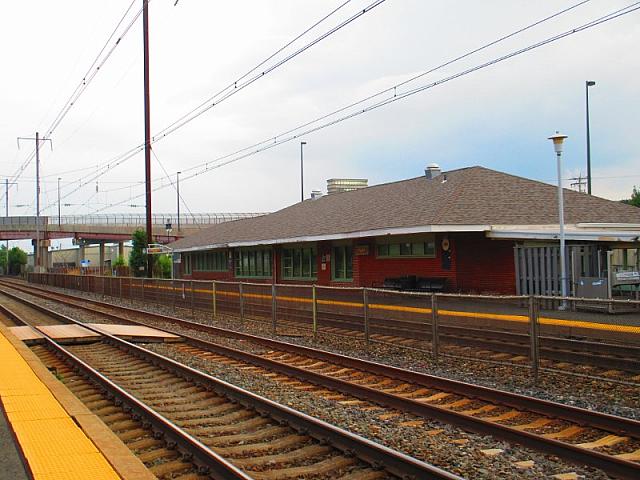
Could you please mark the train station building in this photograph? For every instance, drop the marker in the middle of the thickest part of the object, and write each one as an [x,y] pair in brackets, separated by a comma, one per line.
[471,230]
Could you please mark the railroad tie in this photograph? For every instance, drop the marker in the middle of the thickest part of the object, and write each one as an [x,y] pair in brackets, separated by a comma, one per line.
[605,441]
[631,456]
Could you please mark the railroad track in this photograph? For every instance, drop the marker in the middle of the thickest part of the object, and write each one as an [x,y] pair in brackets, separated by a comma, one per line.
[460,341]
[497,343]
[604,441]
[184,424]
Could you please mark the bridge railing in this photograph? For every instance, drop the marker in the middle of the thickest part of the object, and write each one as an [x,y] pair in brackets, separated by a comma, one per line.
[130,219]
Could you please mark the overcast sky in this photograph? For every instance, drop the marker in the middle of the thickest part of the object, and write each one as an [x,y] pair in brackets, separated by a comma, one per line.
[498,117]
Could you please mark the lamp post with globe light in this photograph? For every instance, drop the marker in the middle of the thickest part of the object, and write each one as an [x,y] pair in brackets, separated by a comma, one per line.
[558,139]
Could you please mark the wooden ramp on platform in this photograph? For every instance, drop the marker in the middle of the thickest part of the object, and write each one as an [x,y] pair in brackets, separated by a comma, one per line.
[67,334]
[137,333]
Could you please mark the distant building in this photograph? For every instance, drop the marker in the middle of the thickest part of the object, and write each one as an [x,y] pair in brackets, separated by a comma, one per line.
[339,185]
[70,258]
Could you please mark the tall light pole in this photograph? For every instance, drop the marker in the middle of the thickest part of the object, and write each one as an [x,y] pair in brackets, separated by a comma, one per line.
[59,201]
[302,144]
[558,139]
[178,194]
[588,83]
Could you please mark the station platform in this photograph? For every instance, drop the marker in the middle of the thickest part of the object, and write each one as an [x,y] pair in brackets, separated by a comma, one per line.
[48,430]
[67,334]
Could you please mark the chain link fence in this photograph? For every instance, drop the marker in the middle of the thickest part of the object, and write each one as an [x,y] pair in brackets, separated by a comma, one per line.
[504,329]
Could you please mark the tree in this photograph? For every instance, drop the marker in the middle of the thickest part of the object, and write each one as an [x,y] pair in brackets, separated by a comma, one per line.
[137,257]
[635,198]
[162,266]
[17,258]
[119,261]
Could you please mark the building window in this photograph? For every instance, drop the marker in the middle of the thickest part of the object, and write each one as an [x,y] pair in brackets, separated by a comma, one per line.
[210,261]
[342,263]
[423,247]
[253,263]
[299,263]
[186,258]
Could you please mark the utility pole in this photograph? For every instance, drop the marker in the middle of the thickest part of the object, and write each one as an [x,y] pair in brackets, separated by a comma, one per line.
[6,214]
[147,130]
[178,196]
[37,140]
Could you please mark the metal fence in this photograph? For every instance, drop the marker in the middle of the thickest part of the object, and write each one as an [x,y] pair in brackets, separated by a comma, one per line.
[510,329]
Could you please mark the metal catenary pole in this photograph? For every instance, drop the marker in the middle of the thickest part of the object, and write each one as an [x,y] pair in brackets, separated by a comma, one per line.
[534,337]
[435,340]
[37,139]
[365,311]
[274,318]
[214,300]
[193,308]
[241,299]
[6,213]
[314,311]
[147,130]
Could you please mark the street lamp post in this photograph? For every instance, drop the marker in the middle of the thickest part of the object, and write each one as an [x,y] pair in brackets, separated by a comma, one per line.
[178,195]
[59,201]
[588,83]
[302,144]
[558,139]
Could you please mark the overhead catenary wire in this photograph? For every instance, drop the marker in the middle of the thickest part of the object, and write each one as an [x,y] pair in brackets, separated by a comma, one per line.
[87,78]
[180,198]
[126,156]
[238,87]
[284,138]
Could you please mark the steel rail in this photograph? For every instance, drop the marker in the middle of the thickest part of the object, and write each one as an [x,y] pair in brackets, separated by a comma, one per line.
[613,356]
[608,355]
[370,452]
[616,466]
[206,460]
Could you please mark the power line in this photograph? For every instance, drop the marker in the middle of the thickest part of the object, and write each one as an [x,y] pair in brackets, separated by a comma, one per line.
[88,77]
[283,138]
[239,85]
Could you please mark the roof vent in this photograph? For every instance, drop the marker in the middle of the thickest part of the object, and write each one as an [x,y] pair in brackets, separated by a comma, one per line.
[432,171]
[316,194]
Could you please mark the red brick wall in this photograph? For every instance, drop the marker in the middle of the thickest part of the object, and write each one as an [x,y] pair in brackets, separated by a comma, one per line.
[370,271]
[478,265]
[485,266]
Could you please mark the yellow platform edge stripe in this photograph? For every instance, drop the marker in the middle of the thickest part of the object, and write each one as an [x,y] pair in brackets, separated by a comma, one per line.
[51,442]
[633,329]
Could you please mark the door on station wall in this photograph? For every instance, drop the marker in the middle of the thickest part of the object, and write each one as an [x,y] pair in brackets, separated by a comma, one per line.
[342,263]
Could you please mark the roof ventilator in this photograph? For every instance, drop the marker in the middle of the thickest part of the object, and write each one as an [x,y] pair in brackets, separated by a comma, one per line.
[432,171]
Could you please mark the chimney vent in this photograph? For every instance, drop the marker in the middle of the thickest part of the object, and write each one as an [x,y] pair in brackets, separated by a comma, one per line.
[432,171]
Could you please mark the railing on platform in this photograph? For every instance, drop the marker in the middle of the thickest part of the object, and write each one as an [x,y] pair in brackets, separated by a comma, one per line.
[514,328]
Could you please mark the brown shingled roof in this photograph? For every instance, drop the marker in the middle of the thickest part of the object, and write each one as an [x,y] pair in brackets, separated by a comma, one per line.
[469,196]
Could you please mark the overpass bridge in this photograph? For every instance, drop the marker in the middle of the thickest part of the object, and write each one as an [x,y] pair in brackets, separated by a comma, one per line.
[107,228]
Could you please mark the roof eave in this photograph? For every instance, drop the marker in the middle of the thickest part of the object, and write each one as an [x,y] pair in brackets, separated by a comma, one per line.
[344,235]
